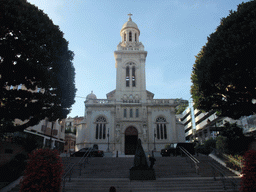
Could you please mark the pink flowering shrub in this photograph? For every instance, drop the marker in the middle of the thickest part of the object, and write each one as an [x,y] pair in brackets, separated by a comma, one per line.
[43,172]
[249,172]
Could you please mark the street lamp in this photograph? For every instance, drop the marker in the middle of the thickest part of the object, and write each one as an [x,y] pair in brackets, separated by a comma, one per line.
[154,139]
[51,135]
[108,140]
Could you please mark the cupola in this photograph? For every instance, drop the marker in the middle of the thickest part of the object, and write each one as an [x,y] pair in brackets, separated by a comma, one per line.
[91,96]
[130,31]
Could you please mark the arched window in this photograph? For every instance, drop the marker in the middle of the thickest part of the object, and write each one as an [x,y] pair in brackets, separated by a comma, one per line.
[135,36]
[124,36]
[127,76]
[130,36]
[133,76]
[161,128]
[100,132]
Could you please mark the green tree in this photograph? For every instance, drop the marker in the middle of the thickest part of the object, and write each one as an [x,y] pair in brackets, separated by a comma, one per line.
[182,105]
[206,147]
[180,108]
[221,144]
[33,53]
[236,142]
[224,73]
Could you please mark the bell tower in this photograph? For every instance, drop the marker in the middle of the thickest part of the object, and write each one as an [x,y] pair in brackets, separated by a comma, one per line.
[130,65]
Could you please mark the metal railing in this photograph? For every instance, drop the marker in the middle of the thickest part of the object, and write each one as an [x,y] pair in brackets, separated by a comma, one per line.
[192,158]
[69,169]
[216,169]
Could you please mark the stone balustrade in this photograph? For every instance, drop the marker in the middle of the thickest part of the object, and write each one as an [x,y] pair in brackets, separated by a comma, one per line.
[130,48]
[99,101]
[172,102]
[103,101]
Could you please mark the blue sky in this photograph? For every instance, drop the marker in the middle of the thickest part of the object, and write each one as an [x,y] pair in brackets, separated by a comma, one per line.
[172,32]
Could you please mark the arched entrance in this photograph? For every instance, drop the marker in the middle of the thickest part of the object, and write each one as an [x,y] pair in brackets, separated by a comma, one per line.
[131,137]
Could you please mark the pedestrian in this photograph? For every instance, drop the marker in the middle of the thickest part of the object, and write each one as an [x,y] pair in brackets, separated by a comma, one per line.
[152,161]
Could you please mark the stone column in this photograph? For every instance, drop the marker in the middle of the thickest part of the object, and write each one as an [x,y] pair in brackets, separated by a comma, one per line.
[130,73]
[118,137]
[150,130]
[112,129]
[142,78]
[90,125]
[145,135]
[122,138]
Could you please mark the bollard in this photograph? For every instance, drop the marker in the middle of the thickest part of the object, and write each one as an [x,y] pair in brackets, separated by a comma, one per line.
[116,153]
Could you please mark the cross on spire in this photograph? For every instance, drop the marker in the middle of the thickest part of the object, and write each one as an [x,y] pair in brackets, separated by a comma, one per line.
[130,16]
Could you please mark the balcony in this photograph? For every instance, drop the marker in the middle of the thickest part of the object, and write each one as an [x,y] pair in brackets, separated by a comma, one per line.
[188,125]
[190,132]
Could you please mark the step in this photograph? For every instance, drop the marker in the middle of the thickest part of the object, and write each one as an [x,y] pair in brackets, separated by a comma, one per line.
[179,185]
[119,167]
[175,185]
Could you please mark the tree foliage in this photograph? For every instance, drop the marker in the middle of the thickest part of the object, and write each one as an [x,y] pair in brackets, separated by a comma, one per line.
[33,53]
[221,144]
[180,108]
[224,73]
[235,141]
[206,147]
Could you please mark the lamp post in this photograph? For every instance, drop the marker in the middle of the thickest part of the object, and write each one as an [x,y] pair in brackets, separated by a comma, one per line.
[51,135]
[154,139]
[108,140]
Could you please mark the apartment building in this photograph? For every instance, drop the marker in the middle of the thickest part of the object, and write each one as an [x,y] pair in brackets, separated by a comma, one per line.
[202,126]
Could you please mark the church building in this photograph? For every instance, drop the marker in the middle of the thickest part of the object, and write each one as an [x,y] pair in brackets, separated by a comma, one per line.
[130,111]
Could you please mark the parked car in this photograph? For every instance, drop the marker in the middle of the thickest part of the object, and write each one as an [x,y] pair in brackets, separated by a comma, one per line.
[169,150]
[175,150]
[93,153]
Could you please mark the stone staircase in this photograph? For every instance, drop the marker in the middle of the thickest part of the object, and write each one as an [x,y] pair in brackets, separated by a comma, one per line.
[187,184]
[172,174]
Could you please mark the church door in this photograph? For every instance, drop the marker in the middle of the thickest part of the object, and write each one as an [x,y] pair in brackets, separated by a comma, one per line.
[131,137]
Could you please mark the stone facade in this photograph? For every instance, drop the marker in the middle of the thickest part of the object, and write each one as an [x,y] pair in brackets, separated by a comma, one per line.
[129,112]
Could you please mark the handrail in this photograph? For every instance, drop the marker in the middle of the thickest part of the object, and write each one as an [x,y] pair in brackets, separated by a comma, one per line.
[86,154]
[224,177]
[189,155]
[195,160]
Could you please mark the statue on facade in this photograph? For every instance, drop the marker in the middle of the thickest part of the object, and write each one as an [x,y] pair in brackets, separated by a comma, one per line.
[117,134]
[144,134]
